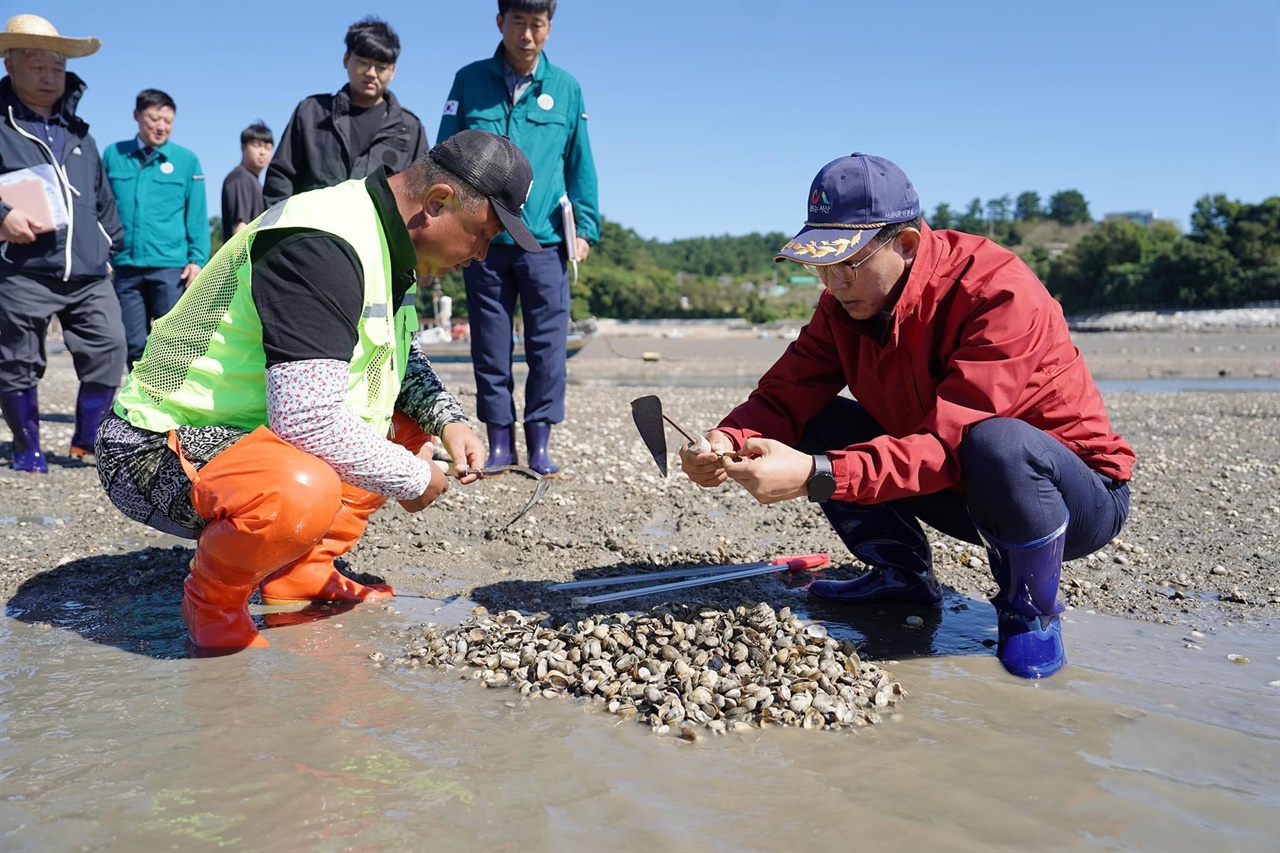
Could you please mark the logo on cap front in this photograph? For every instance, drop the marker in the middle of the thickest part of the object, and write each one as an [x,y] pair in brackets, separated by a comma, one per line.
[818,202]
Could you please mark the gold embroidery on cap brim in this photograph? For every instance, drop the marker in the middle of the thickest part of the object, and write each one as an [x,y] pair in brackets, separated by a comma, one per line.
[820,249]
[824,225]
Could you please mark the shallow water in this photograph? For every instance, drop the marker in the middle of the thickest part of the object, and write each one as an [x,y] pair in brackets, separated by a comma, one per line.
[112,739]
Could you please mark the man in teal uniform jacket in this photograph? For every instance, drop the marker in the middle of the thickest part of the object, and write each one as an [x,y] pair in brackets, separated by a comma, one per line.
[160,191]
[519,94]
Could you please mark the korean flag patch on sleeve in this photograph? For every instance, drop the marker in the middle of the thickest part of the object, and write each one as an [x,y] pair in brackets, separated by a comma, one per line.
[451,108]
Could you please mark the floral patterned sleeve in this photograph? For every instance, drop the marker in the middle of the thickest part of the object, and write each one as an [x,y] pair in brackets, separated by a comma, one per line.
[424,398]
[306,406]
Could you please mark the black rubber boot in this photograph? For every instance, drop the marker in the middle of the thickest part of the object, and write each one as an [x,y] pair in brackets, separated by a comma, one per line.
[894,547]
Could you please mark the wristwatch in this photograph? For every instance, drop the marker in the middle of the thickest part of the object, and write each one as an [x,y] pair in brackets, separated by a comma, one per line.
[821,483]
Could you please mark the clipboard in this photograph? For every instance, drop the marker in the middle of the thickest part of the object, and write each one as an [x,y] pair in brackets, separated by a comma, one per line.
[29,197]
[32,192]
[570,233]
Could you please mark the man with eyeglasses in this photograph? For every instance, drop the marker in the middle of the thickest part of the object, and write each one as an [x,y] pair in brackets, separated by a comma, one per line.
[972,411]
[332,138]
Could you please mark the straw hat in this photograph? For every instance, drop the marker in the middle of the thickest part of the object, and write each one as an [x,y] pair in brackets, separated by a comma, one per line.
[32,32]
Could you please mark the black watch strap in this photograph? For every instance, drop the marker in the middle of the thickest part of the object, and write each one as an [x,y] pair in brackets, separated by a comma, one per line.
[822,482]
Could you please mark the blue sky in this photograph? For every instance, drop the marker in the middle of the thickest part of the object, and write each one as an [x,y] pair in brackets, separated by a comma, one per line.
[711,116]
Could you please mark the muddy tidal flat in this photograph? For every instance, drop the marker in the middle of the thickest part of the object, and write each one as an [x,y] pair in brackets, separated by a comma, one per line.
[1162,732]
[1201,548]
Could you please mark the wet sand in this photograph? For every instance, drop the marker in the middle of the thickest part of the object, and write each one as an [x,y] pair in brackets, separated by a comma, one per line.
[1140,743]
[1150,738]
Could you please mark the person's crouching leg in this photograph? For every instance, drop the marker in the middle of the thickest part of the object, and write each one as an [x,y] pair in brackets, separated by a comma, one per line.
[1027,605]
[895,549]
[268,504]
[313,576]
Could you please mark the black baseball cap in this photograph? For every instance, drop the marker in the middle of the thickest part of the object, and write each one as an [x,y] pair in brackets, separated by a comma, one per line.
[499,170]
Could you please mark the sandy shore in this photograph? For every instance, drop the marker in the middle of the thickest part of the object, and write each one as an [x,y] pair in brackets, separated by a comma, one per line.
[1202,546]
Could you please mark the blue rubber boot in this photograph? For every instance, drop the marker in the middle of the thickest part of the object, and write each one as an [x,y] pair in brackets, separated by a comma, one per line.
[22,414]
[1027,605]
[502,446]
[93,401]
[536,436]
[896,550]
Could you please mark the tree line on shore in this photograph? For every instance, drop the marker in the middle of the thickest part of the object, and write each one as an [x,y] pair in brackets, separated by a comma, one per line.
[1229,256]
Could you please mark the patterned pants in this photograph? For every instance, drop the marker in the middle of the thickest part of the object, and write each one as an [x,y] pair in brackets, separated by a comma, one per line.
[145,479]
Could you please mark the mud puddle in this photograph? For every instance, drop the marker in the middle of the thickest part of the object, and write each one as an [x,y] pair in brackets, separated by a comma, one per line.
[112,739]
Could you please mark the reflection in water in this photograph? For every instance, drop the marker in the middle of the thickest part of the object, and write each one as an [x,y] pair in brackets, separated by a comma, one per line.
[307,746]
[961,626]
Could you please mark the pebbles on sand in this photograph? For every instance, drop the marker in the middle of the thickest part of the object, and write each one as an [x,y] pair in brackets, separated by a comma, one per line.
[673,668]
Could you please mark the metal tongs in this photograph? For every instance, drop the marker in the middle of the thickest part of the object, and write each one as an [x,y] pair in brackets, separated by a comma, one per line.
[700,576]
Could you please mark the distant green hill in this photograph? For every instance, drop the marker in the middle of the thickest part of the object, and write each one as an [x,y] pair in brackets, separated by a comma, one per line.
[1230,256]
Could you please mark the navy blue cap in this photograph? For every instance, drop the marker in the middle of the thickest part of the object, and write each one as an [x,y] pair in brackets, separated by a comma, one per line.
[850,200]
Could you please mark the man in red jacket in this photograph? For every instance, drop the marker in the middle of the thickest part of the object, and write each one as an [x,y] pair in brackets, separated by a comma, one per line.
[972,412]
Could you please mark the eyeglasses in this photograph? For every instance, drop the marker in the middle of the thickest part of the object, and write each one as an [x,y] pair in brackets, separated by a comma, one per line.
[846,271]
[382,69]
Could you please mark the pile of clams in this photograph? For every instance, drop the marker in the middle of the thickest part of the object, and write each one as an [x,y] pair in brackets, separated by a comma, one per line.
[675,668]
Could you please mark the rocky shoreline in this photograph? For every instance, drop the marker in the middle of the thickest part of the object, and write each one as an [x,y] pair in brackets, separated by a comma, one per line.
[1259,317]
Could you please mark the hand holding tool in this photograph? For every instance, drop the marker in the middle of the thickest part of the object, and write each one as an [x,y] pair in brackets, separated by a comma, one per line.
[648,416]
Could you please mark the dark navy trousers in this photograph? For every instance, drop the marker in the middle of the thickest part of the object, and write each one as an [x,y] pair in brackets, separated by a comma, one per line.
[146,294]
[1020,483]
[541,282]
[90,318]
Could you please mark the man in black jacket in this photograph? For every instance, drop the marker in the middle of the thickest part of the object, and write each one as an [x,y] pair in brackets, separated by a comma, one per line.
[334,138]
[56,243]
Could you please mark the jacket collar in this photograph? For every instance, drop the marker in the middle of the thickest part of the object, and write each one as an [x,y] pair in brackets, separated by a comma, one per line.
[883,328]
[342,102]
[66,106]
[928,256]
[162,150]
[399,245]
[499,61]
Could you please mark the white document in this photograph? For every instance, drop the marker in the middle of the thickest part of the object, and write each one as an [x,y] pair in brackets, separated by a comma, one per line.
[47,175]
[570,233]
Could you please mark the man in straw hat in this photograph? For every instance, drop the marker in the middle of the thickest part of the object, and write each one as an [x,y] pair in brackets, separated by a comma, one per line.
[58,230]
[972,412]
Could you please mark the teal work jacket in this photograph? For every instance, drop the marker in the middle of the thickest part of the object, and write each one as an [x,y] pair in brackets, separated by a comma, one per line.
[162,205]
[549,124]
